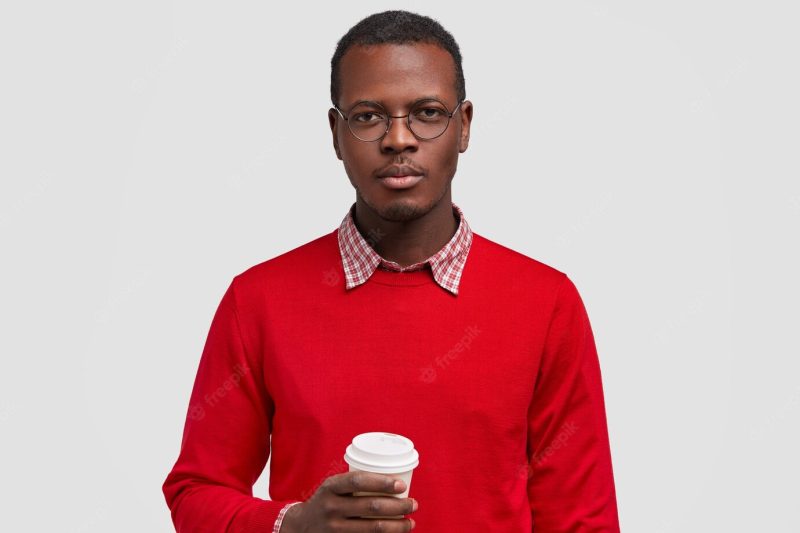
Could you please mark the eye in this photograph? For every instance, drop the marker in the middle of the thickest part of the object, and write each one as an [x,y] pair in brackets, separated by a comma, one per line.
[429,113]
[366,117]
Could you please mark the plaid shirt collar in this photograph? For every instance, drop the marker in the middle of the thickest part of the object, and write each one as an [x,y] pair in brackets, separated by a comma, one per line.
[360,260]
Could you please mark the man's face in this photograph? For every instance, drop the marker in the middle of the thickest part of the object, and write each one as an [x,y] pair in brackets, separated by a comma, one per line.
[396,76]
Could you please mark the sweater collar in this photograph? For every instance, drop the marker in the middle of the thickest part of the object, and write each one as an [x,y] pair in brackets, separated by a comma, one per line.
[360,260]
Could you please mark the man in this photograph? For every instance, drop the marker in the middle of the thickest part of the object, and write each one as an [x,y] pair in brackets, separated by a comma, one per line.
[401,320]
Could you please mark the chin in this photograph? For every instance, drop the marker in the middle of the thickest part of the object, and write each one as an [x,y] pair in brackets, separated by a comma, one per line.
[404,209]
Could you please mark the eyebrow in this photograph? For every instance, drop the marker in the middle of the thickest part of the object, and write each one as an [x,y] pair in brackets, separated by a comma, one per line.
[421,98]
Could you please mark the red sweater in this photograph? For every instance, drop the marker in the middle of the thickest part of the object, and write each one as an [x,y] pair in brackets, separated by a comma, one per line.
[499,388]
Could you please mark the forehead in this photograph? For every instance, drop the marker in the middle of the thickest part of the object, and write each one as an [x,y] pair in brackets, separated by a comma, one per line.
[396,74]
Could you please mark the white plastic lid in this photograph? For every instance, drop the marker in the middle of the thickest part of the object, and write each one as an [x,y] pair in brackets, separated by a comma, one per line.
[380,452]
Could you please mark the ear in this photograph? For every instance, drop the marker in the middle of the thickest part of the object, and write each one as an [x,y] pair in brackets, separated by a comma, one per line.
[465,116]
[333,115]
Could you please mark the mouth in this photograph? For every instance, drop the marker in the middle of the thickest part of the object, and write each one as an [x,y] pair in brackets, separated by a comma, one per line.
[401,181]
[400,176]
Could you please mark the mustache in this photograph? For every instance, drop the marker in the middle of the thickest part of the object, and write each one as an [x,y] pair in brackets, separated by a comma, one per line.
[401,167]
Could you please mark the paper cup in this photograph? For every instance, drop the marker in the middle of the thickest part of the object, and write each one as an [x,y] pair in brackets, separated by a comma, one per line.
[383,453]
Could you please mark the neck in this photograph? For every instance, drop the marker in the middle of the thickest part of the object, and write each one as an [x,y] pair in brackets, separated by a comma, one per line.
[408,241]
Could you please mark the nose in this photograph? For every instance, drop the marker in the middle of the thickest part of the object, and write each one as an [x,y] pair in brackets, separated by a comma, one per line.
[399,137]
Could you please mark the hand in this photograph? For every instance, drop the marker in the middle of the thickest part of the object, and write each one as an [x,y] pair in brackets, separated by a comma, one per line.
[333,507]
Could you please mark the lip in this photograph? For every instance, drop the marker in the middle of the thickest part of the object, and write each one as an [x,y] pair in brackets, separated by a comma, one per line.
[399,170]
[401,182]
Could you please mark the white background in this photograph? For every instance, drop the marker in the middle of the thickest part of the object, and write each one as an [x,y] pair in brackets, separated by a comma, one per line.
[150,151]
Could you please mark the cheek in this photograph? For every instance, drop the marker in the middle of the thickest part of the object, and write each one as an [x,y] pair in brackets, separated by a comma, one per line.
[447,158]
[363,158]
[357,162]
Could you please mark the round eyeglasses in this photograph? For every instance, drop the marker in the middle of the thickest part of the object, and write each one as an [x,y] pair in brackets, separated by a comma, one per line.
[368,121]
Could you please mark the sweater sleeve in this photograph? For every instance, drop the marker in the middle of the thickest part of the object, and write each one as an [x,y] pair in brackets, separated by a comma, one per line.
[570,478]
[226,434]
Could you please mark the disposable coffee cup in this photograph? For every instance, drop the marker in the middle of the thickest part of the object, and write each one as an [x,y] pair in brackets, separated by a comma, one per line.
[383,453]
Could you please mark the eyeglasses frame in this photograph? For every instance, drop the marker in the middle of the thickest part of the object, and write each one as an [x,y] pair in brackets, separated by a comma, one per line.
[406,116]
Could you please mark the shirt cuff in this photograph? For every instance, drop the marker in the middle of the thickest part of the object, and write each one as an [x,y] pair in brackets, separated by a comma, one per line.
[277,527]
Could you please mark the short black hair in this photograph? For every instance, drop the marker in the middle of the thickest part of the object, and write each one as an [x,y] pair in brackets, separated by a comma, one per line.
[396,27]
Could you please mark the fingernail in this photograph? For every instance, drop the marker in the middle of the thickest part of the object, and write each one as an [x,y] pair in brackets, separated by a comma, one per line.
[415,506]
[413,524]
[399,486]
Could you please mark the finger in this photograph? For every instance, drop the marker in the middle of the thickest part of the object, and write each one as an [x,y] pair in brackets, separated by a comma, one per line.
[369,525]
[351,482]
[366,506]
